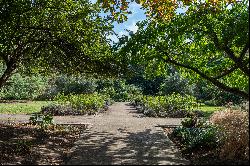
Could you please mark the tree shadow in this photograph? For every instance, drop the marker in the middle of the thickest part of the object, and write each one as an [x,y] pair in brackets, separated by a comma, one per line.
[138,148]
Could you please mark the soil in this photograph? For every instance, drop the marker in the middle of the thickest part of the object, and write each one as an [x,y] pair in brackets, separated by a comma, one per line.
[30,145]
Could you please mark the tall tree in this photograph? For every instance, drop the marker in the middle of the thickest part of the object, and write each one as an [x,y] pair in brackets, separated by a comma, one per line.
[204,42]
[157,9]
[53,35]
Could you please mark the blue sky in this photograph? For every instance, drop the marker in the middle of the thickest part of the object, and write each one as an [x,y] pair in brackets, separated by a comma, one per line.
[130,24]
[138,14]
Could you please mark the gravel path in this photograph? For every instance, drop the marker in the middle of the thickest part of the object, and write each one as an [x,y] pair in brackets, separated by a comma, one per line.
[119,136]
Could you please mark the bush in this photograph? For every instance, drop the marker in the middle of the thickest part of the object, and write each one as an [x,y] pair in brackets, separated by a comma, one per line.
[173,105]
[68,85]
[59,110]
[42,120]
[117,90]
[192,139]
[21,87]
[234,125]
[83,103]
[212,103]
[212,95]
[174,83]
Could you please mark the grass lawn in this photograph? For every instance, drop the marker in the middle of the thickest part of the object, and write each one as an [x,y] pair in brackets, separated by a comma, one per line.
[16,107]
[208,110]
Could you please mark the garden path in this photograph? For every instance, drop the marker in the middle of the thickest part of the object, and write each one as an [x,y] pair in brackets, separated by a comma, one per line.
[120,136]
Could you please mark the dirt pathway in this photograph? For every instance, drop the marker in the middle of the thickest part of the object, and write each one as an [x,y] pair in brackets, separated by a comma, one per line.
[119,136]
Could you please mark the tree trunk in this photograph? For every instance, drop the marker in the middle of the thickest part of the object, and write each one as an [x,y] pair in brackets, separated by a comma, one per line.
[11,67]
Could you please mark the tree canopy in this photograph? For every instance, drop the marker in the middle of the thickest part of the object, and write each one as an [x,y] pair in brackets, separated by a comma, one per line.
[45,35]
[163,10]
[210,40]
[201,43]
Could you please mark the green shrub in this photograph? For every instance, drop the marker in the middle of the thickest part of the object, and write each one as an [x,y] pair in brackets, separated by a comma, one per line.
[21,87]
[212,95]
[189,122]
[212,103]
[59,110]
[174,105]
[174,83]
[197,138]
[69,85]
[84,103]
[118,90]
[42,120]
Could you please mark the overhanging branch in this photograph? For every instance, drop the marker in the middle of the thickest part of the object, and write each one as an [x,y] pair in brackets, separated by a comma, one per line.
[212,80]
[226,72]
[224,47]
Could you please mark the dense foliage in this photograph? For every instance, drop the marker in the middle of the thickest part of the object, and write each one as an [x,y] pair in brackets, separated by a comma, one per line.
[200,43]
[21,87]
[162,10]
[53,36]
[116,89]
[80,104]
[173,105]
[174,62]
[223,137]
[193,139]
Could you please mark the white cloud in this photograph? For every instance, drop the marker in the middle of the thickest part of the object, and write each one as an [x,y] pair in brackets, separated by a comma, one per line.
[113,38]
[121,33]
[132,27]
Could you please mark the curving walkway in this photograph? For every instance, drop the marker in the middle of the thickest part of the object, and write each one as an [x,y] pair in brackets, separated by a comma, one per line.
[119,136]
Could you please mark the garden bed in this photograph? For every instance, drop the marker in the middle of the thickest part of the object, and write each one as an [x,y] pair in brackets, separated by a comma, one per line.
[203,156]
[29,144]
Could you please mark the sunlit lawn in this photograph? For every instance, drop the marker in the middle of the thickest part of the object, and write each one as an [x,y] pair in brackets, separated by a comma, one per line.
[208,110]
[16,107]
[22,107]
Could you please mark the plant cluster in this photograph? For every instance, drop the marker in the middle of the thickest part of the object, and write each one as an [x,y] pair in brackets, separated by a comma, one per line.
[59,110]
[197,138]
[223,137]
[234,125]
[213,96]
[21,87]
[173,105]
[78,104]
[68,85]
[116,89]
[41,120]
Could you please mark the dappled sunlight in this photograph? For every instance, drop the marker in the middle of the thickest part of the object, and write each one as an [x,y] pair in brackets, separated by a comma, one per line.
[124,147]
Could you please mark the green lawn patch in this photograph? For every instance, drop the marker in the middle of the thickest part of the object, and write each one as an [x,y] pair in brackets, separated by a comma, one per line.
[21,107]
[208,110]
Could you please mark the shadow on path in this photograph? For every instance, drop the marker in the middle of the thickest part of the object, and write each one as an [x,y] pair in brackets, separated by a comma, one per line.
[140,148]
